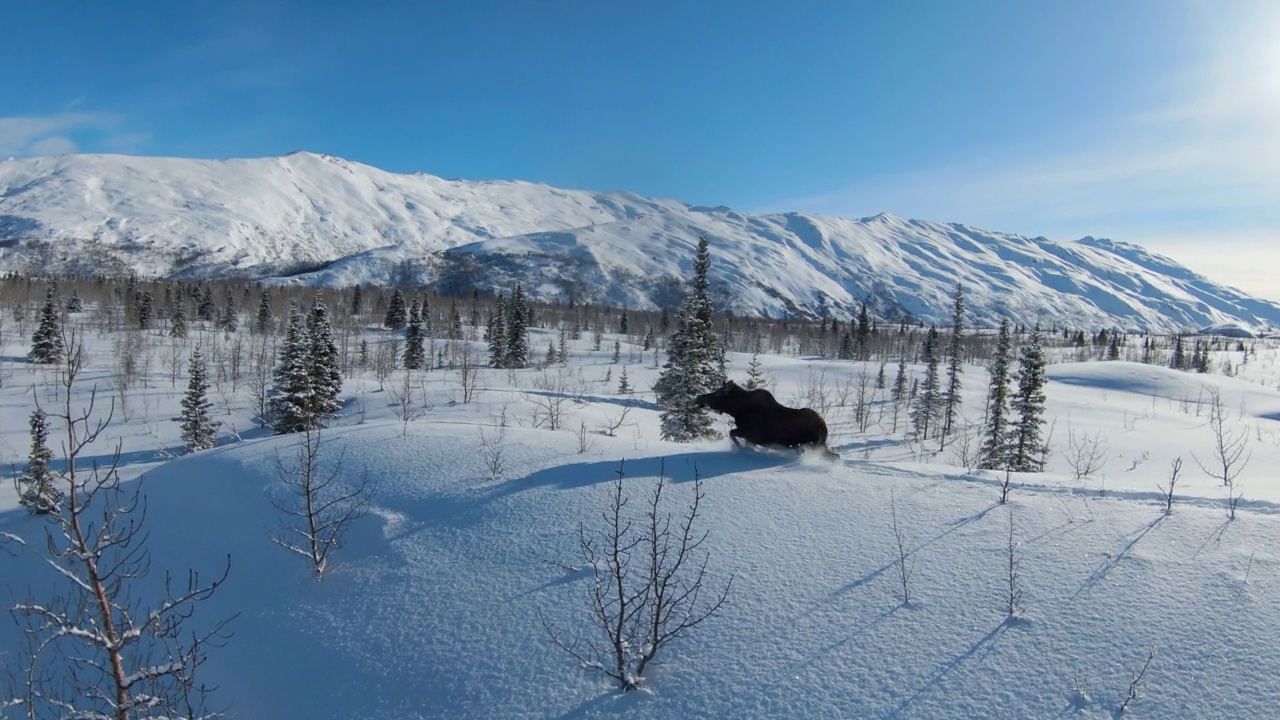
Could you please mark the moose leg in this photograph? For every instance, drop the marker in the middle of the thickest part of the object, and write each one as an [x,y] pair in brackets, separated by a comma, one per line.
[735,435]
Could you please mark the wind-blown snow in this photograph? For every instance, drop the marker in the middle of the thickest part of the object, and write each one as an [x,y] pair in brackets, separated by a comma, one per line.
[431,609]
[320,219]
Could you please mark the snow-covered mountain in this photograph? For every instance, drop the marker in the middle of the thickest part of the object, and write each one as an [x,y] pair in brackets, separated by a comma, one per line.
[318,219]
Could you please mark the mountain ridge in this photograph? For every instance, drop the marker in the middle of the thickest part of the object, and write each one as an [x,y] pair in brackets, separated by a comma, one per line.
[319,219]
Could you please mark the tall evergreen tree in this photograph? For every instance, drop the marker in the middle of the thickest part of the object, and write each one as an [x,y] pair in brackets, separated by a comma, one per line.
[954,367]
[617,352]
[357,301]
[264,322]
[178,328]
[690,369]
[292,389]
[864,332]
[46,342]
[229,316]
[397,315]
[198,427]
[928,401]
[648,339]
[994,453]
[497,334]
[415,349]
[206,309]
[146,310]
[324,365]
[755,376]
[1179,359]
[1025,445]
[624,325]
[517,330]
[37,489]
[899,393]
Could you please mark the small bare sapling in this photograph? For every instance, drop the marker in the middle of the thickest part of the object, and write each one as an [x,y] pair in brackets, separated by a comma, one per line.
[1166,490]
[903,543]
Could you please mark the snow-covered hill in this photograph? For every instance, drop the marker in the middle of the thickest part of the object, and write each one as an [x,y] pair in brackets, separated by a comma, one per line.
[319,219]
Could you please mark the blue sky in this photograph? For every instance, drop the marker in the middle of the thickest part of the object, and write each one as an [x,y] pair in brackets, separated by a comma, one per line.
[1153,121]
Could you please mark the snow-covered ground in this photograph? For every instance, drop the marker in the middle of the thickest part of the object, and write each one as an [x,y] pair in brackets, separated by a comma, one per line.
[434,608]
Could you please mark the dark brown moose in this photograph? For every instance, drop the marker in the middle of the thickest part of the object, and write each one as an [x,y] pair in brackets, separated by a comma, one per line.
[762,420]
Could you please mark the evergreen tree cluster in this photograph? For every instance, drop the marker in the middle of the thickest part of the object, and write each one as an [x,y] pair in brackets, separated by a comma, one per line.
[1013,436]
[307,378]
[507,332]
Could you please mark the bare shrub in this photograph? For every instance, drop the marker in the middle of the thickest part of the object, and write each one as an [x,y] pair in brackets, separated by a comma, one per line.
[1135,686]
[1175,469]
[1013,598]
[466,372]
[492,450]
[318,505]
[905,566]
[1229,446]
[615,423]
[1086,454]
[550,399]
[403,404]
[647,586]
[97,649]
[584,438]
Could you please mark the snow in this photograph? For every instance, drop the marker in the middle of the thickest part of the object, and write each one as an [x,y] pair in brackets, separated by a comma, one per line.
[317,219]
[431,608]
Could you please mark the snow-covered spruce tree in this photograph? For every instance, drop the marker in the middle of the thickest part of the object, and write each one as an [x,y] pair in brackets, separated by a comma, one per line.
[755,376]
[229,316]
[415,349]
[199,430]
[496,334]
[624,325]
[292,387]
[1025,444]
[178,328]
[264,323]
[864,332]
[37,491]
[954,368]
[205,310]
[397,315]
[517,330]
[928,401]
[46,342]
[145,310]
[994,454]
[692,355]
[624,386]
[324,364]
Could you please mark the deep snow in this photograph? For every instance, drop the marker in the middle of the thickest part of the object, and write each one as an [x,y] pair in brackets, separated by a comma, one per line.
[432,608]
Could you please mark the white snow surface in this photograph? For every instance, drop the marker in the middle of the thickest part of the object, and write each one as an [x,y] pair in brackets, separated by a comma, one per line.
[431,608]
[319,219]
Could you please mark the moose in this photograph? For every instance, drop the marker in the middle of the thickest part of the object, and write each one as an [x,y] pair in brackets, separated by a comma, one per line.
[762,420]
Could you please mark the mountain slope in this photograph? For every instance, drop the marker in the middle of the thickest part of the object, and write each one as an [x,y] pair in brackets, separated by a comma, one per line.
[323,220]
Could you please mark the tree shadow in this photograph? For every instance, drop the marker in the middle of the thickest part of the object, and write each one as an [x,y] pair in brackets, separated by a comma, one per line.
[986,641]
[1112,560]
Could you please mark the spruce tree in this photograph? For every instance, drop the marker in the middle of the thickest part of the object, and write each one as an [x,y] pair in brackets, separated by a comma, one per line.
[145,310]
[229,317]
[900,380]
[206,309]
[617,352]
[994,454]
[928,401]
[324,365]
[357,301]
[37,490]
[624,387]
[198,428]
[46,342]
[690,369]
[497,334]
[263,322]
[397,315]
[1025,444]
[517,330]
[864,332]
[1179,359]
[74,305]
[755,376]
[648,339]
[415,350]
[178,328]
[623,324]
[292,388]
[954,368]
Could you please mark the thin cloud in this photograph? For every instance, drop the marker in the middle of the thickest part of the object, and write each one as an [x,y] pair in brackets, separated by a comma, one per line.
[25,136]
